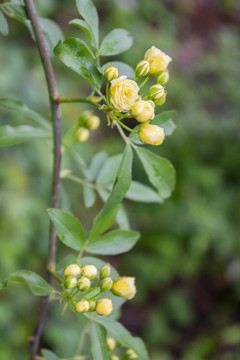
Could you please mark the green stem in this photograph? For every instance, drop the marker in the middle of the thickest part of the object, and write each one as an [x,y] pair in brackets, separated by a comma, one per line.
[82,251]
[101,95]
[125,138]
[144,82]
[107,94]
[63,100]
[85,182]
[126,127]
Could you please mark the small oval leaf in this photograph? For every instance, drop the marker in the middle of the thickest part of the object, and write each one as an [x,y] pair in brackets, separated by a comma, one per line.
[75,54]
[3,24]
[107,215]
[116,42]
[114,242]
[142,193]
[37,285]
[160,171]
[82,25]
[49,355]
[16,135]
[88,11]
[68,228]
[98,335]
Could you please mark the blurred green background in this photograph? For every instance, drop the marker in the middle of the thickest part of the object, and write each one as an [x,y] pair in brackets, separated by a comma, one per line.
[187,262]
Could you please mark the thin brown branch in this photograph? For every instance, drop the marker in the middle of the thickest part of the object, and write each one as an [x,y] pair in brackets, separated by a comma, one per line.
[55,116]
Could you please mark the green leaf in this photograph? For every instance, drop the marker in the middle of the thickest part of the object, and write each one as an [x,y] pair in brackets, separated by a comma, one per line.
[69,229]
[75,54]
[31,114]
[79,161]
[51,32]
[18,12]
[82,25]
[15,135]
[160,172]
[37,285]
[107,215]
[3,24]
[118,332]
[98,335]
[121,218]
[114,242]
[49,355]
[123,69]
[109,170]
[116,42]
[88,11]
[97,163]
[165,120]
[89,196]
[142,193]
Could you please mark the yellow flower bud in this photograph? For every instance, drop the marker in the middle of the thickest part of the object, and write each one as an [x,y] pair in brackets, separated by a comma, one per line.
[70,282]
[124,287]
[123,93]
[89,271]
[143,110]
[111,343]
[92,304]
[93,122]
[130,354]
[104,306]
[106,284]
[158,60]
[163,77]
[142,68]
[111,73]
[82,306]
[114,357]
[151,134]
[105,271]
[156,92]
[83,283]
[72,270]
[82,134]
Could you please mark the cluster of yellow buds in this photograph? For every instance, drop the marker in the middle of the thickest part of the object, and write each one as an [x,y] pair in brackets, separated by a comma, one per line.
[87,122]
[81,281]
[113,345]
[124,93]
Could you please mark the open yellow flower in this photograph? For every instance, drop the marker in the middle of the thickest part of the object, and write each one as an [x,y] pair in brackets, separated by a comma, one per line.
[151,134]
[124,287]
[158,60]
[143,110]
[123,93]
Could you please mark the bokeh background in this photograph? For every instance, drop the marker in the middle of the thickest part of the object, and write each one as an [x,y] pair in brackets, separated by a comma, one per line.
[187,262]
